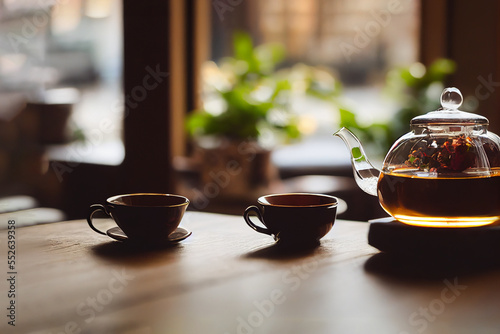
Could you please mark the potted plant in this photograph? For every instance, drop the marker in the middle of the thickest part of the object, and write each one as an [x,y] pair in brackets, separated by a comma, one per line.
[246,111]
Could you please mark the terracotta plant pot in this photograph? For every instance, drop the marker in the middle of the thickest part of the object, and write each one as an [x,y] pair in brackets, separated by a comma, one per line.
[234,168]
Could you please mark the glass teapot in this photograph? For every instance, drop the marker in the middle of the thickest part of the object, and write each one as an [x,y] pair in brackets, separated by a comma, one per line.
[444,173]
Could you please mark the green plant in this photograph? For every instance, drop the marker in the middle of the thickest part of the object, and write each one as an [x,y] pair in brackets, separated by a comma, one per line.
[247,94]
[416,89]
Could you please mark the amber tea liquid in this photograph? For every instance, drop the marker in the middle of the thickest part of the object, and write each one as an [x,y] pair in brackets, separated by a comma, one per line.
[458,201]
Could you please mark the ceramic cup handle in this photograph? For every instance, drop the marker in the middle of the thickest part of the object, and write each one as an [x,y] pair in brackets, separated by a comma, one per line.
[93,209]
[255,210]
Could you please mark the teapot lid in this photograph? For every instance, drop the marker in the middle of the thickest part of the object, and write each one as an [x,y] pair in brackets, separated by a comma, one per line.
[451,100]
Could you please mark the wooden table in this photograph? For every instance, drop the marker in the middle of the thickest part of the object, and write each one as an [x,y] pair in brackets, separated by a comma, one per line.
[225,278]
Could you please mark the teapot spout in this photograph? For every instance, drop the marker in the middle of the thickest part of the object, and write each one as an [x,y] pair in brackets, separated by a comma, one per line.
[365,174]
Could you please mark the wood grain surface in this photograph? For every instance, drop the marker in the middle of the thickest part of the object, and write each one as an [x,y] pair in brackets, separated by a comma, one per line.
[226,278]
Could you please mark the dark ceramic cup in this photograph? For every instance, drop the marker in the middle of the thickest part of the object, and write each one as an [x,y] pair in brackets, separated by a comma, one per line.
[294,217]
[143,216]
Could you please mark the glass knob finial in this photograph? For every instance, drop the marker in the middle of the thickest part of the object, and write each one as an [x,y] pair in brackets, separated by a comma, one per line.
[451,98]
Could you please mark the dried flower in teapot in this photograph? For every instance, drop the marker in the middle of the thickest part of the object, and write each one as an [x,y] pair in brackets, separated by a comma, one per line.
[452,155]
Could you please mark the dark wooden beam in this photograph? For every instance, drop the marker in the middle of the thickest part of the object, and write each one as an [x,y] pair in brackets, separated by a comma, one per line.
[147,87]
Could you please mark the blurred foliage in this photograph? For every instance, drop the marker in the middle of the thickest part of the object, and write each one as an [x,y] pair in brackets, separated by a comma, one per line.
[416,89]
[246,94]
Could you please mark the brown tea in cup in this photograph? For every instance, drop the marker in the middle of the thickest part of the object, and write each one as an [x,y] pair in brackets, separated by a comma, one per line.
[294,217]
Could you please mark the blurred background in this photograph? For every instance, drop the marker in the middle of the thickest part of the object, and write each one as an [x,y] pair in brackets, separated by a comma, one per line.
[223,100]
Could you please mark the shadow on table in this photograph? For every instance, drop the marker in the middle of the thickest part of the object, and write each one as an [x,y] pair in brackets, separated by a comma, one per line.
[430,266]
[134,253]
[279,251]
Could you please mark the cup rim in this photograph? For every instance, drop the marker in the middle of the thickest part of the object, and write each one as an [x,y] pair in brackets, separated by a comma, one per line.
[262,200]
[115,197]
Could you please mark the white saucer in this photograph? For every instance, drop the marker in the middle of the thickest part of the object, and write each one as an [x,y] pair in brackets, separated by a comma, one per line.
[179,234]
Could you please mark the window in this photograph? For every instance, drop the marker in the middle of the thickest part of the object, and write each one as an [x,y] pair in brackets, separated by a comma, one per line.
[75,45]
[359,40]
